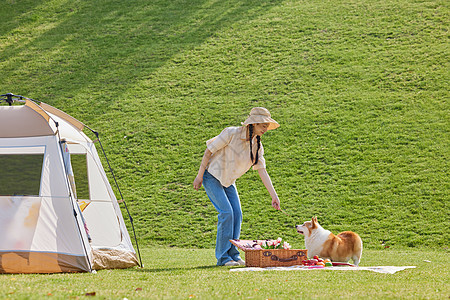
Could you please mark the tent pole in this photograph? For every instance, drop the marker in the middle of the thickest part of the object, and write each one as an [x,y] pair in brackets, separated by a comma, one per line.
[71,196]
[121,196]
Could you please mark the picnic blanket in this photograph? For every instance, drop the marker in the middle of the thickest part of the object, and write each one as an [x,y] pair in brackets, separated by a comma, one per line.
[379,269]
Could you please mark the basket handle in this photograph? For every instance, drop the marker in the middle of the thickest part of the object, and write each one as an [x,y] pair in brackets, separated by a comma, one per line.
[276,258]
[293,257]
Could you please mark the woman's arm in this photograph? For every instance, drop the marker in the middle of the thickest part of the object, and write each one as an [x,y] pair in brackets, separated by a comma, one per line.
[205,160]
[268,184]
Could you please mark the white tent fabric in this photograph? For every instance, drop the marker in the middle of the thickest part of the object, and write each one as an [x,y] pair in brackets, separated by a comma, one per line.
[45,232]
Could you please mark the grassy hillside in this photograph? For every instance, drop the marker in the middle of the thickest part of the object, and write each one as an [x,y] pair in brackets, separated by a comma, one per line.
[360,89]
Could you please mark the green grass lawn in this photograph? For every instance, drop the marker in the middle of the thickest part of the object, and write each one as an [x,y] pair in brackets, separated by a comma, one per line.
[171,273]
[360,89]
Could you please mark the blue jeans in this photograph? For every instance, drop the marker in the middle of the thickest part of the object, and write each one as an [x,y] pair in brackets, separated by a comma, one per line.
[227,203]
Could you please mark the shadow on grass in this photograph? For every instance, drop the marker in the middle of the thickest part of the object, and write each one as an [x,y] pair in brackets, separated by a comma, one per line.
[17,15]
[100,50]
[175,269]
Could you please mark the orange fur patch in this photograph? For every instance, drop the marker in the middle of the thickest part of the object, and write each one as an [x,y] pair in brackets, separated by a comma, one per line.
[341,247]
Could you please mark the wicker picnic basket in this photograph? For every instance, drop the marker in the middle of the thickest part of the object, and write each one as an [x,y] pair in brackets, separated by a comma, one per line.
[274,257]
[262,258]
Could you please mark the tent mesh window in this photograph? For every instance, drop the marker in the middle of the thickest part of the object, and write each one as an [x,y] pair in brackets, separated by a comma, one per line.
[20,174]
[79,167]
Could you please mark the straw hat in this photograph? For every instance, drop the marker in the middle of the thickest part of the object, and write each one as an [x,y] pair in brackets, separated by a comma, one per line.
[261,115]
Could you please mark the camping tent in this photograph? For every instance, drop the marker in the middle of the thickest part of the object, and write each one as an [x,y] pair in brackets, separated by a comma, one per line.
[58,212]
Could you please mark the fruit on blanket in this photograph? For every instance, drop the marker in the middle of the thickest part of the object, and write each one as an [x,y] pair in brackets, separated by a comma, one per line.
[317,258]
[317,261]
[307,262]
[310,262]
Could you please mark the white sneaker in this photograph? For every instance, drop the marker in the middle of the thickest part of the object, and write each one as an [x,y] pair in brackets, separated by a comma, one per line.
[241,262]
[232,263]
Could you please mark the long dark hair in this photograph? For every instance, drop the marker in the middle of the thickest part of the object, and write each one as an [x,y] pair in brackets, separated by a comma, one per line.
[258,139]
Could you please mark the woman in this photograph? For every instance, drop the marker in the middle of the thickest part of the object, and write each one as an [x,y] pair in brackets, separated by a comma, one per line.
[227,157]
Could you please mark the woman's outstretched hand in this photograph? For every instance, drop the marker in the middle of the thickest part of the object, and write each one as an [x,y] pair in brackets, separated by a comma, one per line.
[198,182]
[276,203]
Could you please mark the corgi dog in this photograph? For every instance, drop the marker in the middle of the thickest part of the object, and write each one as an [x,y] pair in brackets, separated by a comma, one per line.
[323,243]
